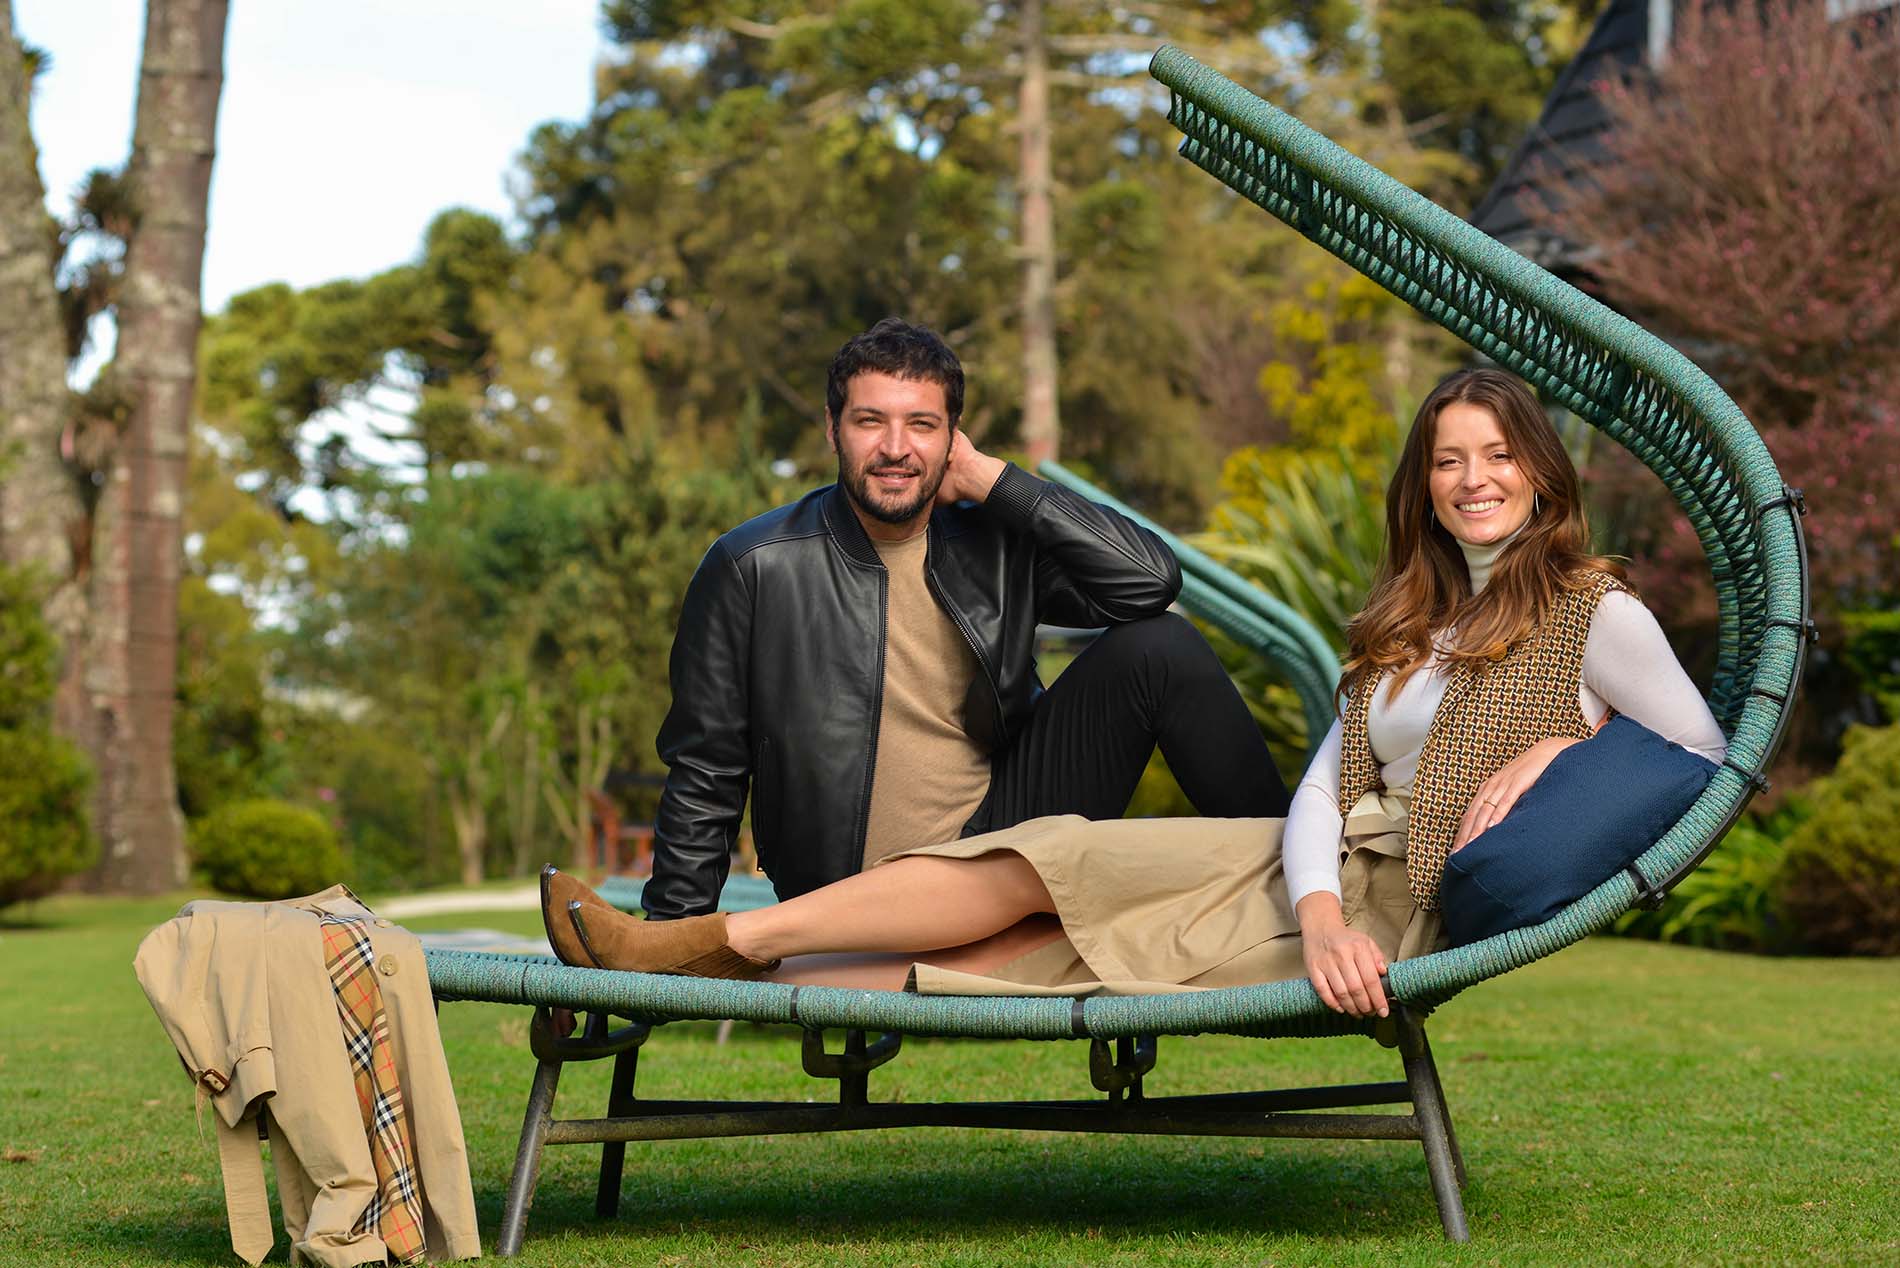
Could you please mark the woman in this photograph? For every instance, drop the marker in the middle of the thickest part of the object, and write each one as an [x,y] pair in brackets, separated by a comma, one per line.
[1491,641]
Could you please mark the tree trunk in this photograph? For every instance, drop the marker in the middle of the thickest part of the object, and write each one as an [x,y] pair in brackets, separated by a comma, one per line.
[131,660]
[525,796]
[42,515]
[471,833]
[1042,428]
[583,765]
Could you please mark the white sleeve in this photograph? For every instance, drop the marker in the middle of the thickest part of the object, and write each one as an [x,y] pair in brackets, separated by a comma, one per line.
[1309,846]
[1628,663]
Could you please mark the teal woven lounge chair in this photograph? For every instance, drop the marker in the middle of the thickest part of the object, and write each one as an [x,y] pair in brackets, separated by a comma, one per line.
[1605,369]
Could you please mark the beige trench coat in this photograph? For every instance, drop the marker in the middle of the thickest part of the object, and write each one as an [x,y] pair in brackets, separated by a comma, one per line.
[242,991]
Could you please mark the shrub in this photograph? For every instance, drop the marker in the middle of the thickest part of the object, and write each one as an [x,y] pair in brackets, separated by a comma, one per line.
[1841,886]
[1306,527]
[222,744]
[1727,903]
[44,833]
[1872,651]
[380,785]
[266,849]
[28,653]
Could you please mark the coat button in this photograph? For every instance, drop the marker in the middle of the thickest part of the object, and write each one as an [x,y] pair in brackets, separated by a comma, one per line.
[387,966]
[384,924]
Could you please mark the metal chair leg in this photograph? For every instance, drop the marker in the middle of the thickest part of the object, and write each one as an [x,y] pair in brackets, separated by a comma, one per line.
[534,1135]
[613,1154]
[1438,1088]
[1434,1125]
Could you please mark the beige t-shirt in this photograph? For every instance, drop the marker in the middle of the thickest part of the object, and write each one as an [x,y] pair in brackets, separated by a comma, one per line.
[930,775]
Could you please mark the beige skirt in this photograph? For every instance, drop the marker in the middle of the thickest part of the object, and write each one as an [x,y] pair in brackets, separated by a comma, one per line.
[1151,906]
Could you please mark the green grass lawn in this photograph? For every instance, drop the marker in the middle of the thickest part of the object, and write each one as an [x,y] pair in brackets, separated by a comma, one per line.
[1621,1102]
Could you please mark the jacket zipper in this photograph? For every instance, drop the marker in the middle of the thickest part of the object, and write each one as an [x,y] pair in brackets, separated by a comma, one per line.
[956,618]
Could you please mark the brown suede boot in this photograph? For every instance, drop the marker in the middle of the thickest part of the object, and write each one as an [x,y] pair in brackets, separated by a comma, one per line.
[693,947]
[558,890]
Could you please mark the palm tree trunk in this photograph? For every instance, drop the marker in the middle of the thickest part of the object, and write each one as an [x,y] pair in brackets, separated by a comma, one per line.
[1042,428]
[137,532]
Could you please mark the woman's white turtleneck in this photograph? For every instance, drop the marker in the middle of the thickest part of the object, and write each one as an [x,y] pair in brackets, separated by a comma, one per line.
[1628,667]
[1480,559]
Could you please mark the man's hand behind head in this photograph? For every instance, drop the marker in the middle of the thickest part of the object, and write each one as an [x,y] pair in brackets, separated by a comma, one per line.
[972,472]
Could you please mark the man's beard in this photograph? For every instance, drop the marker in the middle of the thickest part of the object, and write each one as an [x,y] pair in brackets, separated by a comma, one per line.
[897,509]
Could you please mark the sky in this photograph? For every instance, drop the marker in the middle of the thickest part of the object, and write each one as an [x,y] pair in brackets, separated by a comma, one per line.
[345,125]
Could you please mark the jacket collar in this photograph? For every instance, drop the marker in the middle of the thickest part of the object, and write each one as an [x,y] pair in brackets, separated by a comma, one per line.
[848,531]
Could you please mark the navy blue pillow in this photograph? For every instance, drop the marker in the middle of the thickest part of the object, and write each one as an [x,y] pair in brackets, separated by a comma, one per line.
[1593,811]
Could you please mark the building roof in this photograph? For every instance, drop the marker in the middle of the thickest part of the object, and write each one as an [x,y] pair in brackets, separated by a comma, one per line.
[1568,135]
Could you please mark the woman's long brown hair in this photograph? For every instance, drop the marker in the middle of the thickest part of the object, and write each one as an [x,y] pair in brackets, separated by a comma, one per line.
[1422,587]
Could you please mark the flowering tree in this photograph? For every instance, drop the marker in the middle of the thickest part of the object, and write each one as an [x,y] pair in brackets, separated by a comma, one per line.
[1748,207]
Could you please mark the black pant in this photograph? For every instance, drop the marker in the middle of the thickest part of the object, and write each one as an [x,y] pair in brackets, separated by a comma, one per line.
[1147,683]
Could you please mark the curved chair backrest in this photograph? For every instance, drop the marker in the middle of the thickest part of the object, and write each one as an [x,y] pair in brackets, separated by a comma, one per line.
[1601,366]
[1243,611]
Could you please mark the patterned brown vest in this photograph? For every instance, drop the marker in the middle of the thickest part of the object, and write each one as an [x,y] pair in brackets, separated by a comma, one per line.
[1489,715]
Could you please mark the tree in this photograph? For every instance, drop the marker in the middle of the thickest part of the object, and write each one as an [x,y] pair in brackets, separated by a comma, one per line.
[756,185]
[407,354]
[753,189]
[97,503]
[1042,425]
[137,528]
[1745,208]
[42,512]
[514,634]
[44,833]
[1466,80]
[1746,200]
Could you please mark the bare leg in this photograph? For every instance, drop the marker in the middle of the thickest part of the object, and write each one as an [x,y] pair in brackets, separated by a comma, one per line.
[913,904]
[888,971]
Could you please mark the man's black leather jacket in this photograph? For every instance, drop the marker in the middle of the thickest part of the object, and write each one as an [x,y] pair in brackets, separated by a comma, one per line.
[778,666]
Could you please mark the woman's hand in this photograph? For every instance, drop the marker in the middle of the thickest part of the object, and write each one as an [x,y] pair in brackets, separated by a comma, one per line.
[1499,793]
[1343,964]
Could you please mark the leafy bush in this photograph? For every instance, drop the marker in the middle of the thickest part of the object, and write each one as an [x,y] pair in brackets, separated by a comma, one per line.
[28,653]
[1727,903]
[222,747]
[44,832]
[266,849]
[44,835]
[377,786]
[1305,527]
[1841,886]
[1872,651]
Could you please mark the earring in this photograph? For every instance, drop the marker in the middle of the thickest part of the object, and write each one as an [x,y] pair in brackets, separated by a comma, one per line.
[1534,502]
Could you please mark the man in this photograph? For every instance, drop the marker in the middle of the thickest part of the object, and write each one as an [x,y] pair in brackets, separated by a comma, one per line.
[863,659]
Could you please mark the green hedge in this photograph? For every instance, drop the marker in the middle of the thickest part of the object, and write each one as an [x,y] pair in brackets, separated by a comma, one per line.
[266,849]
[44,780]
[43,814]
[1841,884]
